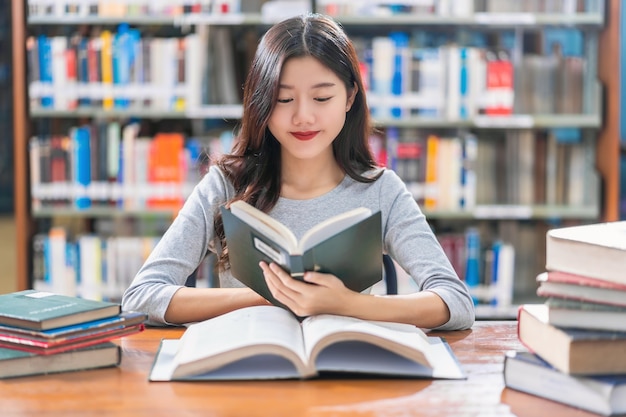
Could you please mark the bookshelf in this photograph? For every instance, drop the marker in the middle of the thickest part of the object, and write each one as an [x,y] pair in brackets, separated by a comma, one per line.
[6,142]
[597,120]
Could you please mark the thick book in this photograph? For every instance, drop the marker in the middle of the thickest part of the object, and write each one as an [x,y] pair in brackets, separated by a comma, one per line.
[585,315]
[348,246]
[40,310]
[594,250]
[15,363]
[560,284]
[601,394]
[573,351]
[269,342]
[73,333]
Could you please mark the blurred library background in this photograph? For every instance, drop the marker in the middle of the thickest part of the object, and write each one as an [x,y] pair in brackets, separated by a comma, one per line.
[503,118]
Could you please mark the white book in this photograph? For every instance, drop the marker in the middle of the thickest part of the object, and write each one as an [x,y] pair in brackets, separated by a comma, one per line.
[268,342]
[525,372]
[58,46]
[90,267]
[453,82]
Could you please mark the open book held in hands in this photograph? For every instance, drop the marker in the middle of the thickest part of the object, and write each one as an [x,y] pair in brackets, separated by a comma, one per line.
[348,246]
[268,342]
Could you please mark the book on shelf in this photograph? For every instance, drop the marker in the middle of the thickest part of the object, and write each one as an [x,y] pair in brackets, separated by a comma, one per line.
[39,310]
[565,285]
[573,351]
[601,394]
[595,250]
[17,363]
[348,245]
[62,336]
[268,342]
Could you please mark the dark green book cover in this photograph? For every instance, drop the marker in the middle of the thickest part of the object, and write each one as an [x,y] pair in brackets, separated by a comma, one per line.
[40,310]
[353,254]
[15,363]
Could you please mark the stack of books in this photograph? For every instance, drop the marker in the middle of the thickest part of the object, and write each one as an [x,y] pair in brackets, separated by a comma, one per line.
[42,333]
[576,339]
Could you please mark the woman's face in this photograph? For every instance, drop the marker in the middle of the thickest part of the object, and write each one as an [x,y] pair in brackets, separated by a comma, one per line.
[310,111]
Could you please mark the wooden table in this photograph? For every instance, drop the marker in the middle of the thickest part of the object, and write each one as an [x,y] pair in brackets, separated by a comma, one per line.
[125,391]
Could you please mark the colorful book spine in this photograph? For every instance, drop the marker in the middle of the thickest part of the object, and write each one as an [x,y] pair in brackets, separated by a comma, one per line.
[106,65]
[45,70]
[82,164]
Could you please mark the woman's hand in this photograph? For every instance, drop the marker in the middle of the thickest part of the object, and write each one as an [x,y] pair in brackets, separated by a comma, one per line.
[318,294]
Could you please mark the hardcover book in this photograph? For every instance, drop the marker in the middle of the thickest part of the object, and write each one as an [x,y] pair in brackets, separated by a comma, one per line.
[52,347]
[577,287]
[268,342]
[73,332]
[573,351]
[39,310]
[585,315]
[605,394]
[348,245]
[593,250]
[15,363]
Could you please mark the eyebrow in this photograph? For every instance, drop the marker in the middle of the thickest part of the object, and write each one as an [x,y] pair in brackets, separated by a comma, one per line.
[319,85]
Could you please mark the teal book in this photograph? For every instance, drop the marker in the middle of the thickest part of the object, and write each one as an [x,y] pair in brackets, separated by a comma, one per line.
[39,310]
[16,363]
[348,245]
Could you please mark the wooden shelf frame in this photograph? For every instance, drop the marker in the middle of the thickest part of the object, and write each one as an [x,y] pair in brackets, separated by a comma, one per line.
[608,148]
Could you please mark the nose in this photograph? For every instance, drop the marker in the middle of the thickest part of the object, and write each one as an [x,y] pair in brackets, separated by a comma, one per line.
[303,113]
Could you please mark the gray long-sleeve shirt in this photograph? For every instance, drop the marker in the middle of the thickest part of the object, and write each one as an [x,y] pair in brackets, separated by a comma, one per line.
[407,237]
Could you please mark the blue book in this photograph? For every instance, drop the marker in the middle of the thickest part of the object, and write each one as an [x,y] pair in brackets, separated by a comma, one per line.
[122,61]
[82,165]
[601,394]
[472,265]
[45,70]
[64,333]
[400,69]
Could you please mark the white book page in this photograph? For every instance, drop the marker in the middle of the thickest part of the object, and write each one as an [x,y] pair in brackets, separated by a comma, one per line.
[267,225]
[246,327]
[439,361]
[406,336]
[332,226]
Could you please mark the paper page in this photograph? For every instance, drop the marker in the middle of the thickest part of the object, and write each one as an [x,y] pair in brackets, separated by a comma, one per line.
[249,326]
[324,326]
[360,356]
[163,366]
[257,367]
[265,224]
[331,227]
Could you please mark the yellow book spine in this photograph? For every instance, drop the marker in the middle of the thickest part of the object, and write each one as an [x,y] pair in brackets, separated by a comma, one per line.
[431,186]
[107,69]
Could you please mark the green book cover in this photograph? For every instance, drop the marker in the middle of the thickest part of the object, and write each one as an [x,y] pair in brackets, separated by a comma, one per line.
[41,310]
[348,245]
[15,363]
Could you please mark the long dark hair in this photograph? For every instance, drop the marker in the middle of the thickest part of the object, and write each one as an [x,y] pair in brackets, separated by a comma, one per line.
[253,166]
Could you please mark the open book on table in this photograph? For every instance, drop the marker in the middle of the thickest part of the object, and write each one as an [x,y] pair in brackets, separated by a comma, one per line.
[268,342]
[348,246]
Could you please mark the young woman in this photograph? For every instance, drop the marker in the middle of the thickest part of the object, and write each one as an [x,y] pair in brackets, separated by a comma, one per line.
[302,156]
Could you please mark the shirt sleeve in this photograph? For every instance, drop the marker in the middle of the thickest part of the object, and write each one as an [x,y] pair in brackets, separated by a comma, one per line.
[411,242]
[179,251]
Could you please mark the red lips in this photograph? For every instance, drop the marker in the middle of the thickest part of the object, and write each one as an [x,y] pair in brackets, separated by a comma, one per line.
[304,135]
